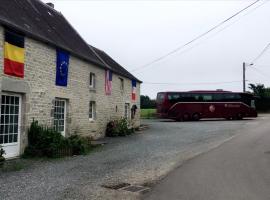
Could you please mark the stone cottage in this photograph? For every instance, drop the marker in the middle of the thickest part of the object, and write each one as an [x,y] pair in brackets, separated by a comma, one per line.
[50,74]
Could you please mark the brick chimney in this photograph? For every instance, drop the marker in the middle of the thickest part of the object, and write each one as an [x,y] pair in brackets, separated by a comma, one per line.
[50,4]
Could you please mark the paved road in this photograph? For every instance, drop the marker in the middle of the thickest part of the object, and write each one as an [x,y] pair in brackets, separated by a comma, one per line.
[237,170]
[138,159]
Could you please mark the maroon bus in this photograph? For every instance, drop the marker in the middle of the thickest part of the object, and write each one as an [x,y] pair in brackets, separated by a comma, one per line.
[194,105]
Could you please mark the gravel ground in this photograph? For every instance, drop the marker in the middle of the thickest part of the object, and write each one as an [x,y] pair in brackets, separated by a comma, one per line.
[142,159]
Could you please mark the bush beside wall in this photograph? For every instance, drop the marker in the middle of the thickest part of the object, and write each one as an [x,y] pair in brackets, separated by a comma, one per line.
[118,128]
[46,142]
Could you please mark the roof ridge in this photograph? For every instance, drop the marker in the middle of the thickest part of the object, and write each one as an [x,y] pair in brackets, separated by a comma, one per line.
[51,8]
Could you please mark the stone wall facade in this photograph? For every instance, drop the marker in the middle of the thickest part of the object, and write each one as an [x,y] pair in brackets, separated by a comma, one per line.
[38,91]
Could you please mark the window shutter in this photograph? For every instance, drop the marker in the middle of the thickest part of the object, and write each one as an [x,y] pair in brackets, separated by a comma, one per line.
[95,113]
[94,77]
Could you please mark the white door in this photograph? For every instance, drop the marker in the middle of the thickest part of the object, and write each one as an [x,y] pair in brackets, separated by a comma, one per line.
[60,115]
[10,124]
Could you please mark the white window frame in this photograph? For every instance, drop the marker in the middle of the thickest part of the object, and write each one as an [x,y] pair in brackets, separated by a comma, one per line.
[92,80]
[92,111]
[65,113]
[127,111]
[14,147]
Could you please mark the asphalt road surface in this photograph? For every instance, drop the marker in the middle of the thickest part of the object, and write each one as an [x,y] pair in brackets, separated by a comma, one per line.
[237,170]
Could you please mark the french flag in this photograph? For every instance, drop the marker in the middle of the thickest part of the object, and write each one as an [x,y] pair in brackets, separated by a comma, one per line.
[134,83]
[108,82]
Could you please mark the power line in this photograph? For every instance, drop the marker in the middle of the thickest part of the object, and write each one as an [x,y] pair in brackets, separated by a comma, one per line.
[260,72]
[196,38]
[196,44]
[194,83]
[262,66]
[262,52]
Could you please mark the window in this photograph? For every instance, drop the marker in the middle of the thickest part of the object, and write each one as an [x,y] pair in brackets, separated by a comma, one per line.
[160,97]
[207,97]
[59,115]
[92,80]
[218,97]
[197,97]
[92,110]
[187,97]
[127,108]
[173,96]
[121,84]
[232,97]
[10,113]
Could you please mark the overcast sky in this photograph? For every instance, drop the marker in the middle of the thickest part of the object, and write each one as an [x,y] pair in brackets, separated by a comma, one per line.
[137,32]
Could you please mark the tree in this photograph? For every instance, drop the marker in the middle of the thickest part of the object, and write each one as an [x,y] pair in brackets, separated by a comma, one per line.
[258,89]
[146,102]
[263,102]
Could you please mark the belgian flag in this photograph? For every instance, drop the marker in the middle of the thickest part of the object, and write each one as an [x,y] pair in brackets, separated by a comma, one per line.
[14,54]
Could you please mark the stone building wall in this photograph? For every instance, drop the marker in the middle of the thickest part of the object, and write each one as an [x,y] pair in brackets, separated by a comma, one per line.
[39,91]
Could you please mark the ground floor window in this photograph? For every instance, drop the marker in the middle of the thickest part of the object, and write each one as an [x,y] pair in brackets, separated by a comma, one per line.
[127,110]
[9,126]
[92,110]
[59,115]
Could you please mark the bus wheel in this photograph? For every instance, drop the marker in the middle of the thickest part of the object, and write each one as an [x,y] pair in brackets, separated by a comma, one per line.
[179,119]
[196,117]
[239,116]
[186,117]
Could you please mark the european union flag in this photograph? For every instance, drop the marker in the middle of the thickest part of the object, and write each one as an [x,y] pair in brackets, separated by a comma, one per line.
[62,68]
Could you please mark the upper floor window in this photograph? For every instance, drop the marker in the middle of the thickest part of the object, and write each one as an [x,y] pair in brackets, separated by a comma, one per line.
[121,84]
[92,80]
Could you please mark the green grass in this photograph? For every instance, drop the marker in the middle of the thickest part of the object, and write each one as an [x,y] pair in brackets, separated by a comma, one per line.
[148,113]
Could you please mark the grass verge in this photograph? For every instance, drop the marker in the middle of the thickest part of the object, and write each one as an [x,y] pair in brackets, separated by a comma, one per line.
[148,113]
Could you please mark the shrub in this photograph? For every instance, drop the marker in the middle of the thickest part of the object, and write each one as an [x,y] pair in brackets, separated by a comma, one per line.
[2,151]
[110,130]
[118,128]
[2,159]
[44,141]
[78,144]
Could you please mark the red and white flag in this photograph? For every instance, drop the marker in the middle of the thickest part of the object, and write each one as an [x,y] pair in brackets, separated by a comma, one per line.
[134,83]
[108,82]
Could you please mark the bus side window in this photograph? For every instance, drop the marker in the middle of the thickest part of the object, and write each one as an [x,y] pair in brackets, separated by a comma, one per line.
[188,97]
[207,97]
[160,97]
[218,97]
[196,97]
[232,97]
[173,98]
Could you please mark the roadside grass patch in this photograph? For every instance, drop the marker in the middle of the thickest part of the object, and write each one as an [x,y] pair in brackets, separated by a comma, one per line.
[148,113]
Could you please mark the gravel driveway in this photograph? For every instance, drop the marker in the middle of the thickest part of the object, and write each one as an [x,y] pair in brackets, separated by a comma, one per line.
[138,159]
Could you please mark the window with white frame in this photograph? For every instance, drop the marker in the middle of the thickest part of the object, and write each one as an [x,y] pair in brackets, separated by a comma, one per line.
[92,80]
[59,115]
[121,84]
[92,110]
[127,110]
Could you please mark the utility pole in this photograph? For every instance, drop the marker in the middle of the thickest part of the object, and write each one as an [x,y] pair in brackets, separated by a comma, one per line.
[244,77]
[245,65]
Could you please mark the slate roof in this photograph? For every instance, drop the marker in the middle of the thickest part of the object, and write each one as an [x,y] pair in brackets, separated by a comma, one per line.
[115,67]
[39,21]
